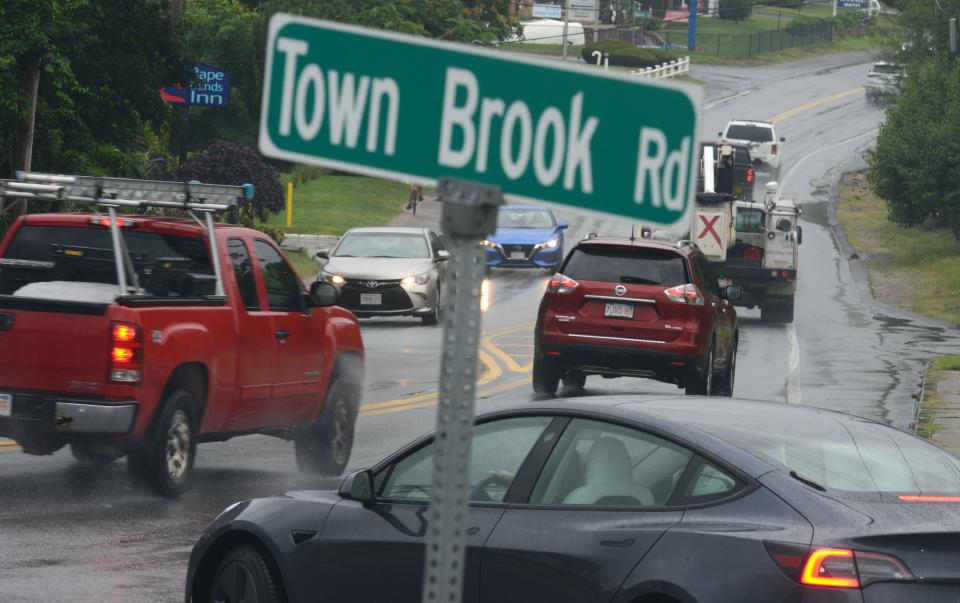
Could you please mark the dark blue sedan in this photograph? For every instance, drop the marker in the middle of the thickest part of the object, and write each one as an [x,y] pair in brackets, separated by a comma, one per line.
[527,237]
[623,500]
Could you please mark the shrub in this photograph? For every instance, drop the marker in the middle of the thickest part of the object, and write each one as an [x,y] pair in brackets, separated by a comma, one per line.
[625,55]
[273,232]
[606,46]
[225,162]
[736,10]
[802,25]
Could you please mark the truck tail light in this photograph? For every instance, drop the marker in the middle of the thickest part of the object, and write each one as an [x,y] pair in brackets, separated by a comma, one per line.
[836,568]
[752,253]
[685,294]
[749,174]
[561,284]
[773,149]
[126,353]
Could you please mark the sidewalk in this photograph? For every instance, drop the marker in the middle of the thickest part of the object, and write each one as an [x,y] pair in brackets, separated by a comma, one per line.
[428,214]
[939,416]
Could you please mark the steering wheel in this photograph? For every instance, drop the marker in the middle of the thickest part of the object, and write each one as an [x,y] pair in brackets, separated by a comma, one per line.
[479,492]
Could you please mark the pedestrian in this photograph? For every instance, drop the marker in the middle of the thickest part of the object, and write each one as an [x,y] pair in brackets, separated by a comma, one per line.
[416,196]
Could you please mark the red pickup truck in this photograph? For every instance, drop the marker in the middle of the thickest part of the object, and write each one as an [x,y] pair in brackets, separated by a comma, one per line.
[191,349]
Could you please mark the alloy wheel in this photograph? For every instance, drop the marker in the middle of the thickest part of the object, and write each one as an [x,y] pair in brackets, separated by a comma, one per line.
[178,445]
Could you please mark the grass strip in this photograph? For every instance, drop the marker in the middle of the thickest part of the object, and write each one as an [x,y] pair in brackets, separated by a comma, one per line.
[917,268]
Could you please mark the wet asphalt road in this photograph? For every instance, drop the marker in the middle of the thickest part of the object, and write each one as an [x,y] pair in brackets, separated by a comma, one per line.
[70,533]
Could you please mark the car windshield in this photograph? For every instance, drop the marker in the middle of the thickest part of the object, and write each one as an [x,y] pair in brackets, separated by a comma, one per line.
[624,265]
[382,245]
[525,218]
[842,452]
[751,133]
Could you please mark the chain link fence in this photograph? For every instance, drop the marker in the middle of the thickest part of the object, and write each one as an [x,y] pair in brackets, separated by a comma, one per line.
[748,45]
[731,45]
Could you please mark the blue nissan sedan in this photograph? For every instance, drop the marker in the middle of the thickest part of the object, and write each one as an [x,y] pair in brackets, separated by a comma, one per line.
[527,237]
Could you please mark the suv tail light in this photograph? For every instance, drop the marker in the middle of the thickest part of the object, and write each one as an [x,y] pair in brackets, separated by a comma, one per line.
[750,173]
[773,149]
[685,294]
[561,284]
[836,568]
[126,353]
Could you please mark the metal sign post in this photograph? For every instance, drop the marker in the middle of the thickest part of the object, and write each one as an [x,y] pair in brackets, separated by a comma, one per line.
[469,215]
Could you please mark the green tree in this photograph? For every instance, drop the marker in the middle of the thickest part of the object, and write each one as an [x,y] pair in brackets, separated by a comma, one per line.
[736,10]
[102,63]
[915,166]
[222,33]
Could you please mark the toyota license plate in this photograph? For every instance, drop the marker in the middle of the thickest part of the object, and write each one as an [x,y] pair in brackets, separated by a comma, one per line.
[518,255]
[6,405]
[371,299]
[618,311]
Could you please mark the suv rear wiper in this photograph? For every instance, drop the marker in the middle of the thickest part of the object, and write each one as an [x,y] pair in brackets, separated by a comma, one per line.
[806,481]
[636,280]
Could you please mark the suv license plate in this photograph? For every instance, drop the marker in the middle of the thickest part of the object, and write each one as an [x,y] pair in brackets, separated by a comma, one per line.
[618,311]
[518,255]
[371,299]
[6,405]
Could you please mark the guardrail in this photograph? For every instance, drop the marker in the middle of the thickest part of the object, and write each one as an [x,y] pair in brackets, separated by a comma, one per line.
[671,69]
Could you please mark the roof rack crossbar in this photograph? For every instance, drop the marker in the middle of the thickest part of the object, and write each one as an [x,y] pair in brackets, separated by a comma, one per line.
[124,192]
[114,193]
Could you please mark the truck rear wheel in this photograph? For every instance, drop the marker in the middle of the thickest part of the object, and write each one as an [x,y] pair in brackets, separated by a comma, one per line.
[164,459]
[323,449]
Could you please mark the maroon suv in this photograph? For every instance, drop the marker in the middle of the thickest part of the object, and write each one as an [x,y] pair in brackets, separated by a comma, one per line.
[624,307]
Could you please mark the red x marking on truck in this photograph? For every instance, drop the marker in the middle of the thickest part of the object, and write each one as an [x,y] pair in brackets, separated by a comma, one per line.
[708,227]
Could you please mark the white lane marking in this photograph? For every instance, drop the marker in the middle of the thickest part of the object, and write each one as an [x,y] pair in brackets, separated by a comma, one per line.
[796,166]
[727,99]
[793,370]
[794,394]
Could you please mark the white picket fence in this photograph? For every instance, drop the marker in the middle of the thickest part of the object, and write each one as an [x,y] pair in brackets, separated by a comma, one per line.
[671,69]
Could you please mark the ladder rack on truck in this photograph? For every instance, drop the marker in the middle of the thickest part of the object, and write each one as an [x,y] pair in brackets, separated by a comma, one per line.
[114,193]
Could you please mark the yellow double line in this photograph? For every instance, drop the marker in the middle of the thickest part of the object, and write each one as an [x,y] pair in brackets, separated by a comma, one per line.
[492,373]
[813,104]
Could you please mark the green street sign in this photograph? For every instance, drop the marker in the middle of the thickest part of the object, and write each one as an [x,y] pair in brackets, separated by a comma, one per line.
[415,109]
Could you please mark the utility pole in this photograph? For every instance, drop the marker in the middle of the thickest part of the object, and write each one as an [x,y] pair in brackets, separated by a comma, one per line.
[953,35]
[23,143]
[23,152]
[692,25]
[566,21]
[596,20]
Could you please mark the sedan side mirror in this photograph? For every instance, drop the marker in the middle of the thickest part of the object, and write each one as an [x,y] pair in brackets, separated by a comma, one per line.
[323,254]
[731,292]
[358,486]
[324,294]
[443,255]
[563,225]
